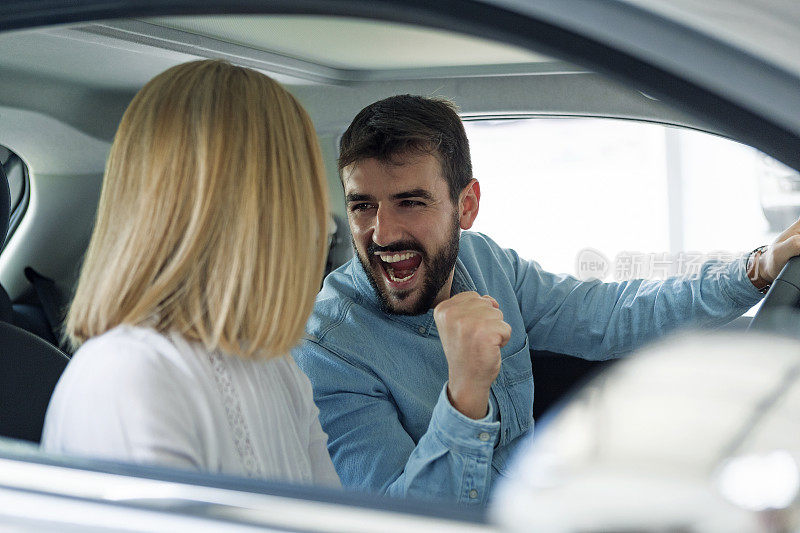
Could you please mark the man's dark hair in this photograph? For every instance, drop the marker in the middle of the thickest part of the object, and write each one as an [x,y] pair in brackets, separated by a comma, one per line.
[407,123]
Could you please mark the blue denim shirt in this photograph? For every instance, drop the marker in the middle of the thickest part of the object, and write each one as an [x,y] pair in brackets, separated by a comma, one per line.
[379,380]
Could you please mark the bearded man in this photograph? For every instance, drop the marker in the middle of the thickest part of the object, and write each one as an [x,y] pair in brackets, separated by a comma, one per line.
[419,347]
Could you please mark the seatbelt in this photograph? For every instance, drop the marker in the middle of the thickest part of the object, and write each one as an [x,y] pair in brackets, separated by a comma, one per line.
[53,305]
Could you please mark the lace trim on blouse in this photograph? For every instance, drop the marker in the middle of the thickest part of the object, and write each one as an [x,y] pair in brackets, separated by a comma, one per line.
[233,410]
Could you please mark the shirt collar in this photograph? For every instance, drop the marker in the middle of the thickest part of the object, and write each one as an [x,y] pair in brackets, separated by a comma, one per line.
[422,324]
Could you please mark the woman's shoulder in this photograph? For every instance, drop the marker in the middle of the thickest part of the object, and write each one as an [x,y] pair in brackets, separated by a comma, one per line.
[126,369]
[125,336]
[127,353]
[124,395]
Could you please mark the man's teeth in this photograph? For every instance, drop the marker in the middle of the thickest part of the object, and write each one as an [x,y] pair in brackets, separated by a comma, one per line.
[397,280]
[397,257]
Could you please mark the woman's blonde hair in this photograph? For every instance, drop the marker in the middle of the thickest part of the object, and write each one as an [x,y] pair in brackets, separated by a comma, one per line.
[212,217]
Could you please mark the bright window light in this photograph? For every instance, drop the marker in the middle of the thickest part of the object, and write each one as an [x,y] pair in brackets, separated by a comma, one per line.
[646,199]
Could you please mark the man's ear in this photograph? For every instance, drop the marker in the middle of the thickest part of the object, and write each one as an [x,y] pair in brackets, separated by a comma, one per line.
[468,202]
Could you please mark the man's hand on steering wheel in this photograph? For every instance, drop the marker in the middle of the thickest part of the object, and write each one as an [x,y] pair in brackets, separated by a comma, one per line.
[769,261]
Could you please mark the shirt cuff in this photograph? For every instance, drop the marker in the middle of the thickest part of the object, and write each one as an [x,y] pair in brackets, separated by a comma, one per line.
[461,433]
[738,286]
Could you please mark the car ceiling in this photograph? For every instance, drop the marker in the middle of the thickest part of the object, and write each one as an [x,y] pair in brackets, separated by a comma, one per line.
[663,46]
[294,49]
[346,62]
[340,42]
[335,65]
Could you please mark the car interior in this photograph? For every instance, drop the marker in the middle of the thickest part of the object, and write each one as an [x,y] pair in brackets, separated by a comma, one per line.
[63,90]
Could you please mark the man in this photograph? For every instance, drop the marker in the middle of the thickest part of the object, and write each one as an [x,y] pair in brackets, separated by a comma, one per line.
[419,348]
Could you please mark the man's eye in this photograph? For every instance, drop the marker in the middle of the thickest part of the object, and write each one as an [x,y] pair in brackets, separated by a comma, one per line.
[411,203]
[360,207]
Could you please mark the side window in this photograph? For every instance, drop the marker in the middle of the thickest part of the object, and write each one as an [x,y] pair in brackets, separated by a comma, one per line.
[620,199]
[17,174]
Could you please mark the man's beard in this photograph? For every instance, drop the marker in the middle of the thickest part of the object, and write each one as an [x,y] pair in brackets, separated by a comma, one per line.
[437,269]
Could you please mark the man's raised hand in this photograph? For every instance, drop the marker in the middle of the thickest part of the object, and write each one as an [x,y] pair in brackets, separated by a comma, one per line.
[472,331]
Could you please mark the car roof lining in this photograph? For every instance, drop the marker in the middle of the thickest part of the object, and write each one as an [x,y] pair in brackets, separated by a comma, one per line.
[338,42]
[477,19]
[310,57]
[109,61]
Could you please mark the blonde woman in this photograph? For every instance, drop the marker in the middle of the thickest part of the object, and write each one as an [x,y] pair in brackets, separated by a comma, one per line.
[206,256]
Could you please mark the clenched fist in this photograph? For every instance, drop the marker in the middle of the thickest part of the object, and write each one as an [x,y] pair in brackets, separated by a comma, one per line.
[472,331]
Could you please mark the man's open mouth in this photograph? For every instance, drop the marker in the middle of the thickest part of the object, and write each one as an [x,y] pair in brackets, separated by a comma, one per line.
[399,268]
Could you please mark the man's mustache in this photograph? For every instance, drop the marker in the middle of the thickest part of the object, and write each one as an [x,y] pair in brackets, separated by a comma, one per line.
[400,246]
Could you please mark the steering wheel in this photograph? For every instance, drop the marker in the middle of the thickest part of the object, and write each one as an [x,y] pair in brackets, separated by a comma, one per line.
[780,309]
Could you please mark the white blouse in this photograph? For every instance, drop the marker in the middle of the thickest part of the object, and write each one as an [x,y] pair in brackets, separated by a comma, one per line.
[133,394]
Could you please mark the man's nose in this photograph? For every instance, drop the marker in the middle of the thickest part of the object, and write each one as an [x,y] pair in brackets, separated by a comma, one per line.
[388,228]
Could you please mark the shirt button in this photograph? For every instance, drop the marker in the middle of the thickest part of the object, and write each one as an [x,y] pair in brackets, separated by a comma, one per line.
[484,436]
[422,330]
[473,494]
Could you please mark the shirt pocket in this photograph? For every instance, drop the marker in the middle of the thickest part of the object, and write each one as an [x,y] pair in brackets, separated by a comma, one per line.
[518,378]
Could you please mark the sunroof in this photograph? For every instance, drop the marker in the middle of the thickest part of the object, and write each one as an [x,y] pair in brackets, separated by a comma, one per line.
[353,44]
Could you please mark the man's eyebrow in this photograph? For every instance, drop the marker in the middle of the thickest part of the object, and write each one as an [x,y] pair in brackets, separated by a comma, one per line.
[355,197]
[413,193]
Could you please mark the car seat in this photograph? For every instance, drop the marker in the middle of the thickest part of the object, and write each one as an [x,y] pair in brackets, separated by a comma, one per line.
[339,250]
[29,366]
